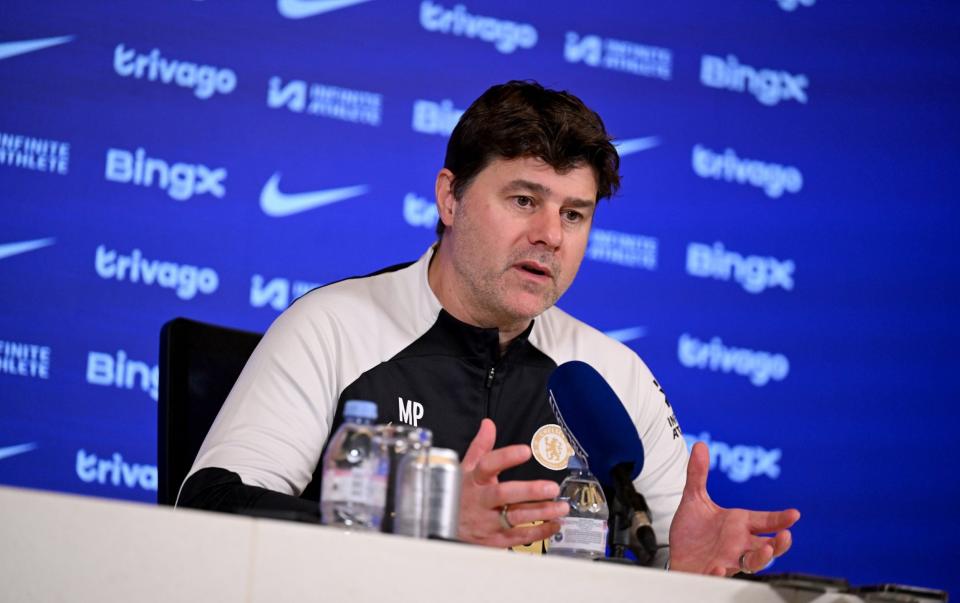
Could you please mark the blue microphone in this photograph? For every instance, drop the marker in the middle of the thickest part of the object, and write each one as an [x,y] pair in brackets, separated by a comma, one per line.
[595,420]
[602,433]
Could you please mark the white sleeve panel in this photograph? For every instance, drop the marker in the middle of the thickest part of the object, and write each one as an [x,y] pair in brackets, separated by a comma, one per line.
[274,422]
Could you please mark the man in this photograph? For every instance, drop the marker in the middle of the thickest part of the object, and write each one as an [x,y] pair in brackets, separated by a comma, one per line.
[463,342]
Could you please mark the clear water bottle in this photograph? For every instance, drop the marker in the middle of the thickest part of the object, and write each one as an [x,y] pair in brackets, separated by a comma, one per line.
[355,470]
[583,532]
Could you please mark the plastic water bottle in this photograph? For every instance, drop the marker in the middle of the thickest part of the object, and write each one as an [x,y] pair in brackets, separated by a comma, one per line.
[355,470]
[583,532]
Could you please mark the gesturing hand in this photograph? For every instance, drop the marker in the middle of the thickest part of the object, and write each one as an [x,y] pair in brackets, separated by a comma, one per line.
[708,539]
[483,496]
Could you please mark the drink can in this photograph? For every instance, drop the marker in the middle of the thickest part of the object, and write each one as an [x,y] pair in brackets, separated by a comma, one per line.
[411,484]
[443,493]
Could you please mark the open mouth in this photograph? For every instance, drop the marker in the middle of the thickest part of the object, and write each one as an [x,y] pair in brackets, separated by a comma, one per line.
[534,269]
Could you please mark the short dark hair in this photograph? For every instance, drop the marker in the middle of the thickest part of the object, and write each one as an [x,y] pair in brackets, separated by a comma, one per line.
[524,119]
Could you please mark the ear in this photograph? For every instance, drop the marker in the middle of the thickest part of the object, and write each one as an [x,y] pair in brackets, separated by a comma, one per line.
[444,194]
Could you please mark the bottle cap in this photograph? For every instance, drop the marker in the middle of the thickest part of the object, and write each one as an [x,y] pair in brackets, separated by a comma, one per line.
[360,409]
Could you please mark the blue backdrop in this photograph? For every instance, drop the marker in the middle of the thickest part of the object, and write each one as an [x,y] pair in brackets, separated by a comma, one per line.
[781,253]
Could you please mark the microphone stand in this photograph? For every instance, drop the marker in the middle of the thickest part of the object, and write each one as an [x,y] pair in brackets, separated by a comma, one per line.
[629,528]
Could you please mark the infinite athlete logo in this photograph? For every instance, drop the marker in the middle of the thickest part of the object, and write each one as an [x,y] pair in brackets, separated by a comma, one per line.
[277,204]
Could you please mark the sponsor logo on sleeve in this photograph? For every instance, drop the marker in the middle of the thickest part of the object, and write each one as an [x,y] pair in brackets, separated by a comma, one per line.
[622,249]
[25,359]
[772,178]
[38,154]
[12,49]
[322,100]
[115,471]
[739,462]
[184,279]
[506,36]
[301,9]
[203,80]
[755,273]
[277,204]
[120,371]
[713,355]
[768,86]
[618,55]
[278,293]
[181,181]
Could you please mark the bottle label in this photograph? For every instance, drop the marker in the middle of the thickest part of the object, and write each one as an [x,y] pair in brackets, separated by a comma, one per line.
[356,485]
[581,533]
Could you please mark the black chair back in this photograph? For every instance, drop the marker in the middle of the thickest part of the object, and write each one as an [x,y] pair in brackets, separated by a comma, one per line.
[199,363]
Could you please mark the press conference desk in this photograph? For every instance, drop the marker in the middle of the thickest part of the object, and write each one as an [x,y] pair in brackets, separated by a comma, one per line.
[56,547]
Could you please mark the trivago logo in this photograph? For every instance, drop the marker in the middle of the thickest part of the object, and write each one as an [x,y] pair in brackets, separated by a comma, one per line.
[186,280]
[115,471]
[739,462]
[506,36]
[758,366]
[204,80]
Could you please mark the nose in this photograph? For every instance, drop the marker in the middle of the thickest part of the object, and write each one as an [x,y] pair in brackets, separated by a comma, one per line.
[546,229]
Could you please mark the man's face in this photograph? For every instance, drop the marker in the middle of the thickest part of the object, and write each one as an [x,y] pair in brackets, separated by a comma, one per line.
[517,237]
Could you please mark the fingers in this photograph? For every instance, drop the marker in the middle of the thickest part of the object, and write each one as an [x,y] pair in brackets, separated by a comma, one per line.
[482,444]
[697,468]
[522,535]
[489,466]
[523,513]
[782,542]
[511,493]
[759,558]
[766,522]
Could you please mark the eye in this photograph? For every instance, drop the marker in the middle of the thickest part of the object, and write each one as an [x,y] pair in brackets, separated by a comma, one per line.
[523,201]
[572,216]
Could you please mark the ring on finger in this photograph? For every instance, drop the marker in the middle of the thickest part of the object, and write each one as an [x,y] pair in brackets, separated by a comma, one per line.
[504,520]
[743,565]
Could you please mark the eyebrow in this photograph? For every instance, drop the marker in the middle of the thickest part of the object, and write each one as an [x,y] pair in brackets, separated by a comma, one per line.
[535,187]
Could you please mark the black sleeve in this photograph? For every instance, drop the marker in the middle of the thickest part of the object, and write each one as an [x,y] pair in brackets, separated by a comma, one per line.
[216,489]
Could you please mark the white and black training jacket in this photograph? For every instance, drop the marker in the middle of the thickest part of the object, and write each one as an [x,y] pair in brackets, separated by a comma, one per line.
[386,338]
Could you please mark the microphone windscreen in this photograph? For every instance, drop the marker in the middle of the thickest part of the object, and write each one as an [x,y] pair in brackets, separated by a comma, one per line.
[592,411]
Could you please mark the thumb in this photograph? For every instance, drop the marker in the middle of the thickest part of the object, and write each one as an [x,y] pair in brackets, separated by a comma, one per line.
[697,469]
[482,444]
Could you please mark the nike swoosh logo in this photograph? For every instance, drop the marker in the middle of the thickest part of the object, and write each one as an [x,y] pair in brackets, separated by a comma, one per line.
[9,249]
[628,334]
[635,145]
[278,205]
[9,451]
[12,49]
[301,9]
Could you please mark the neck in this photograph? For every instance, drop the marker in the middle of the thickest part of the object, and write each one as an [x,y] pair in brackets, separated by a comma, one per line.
[453,297]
